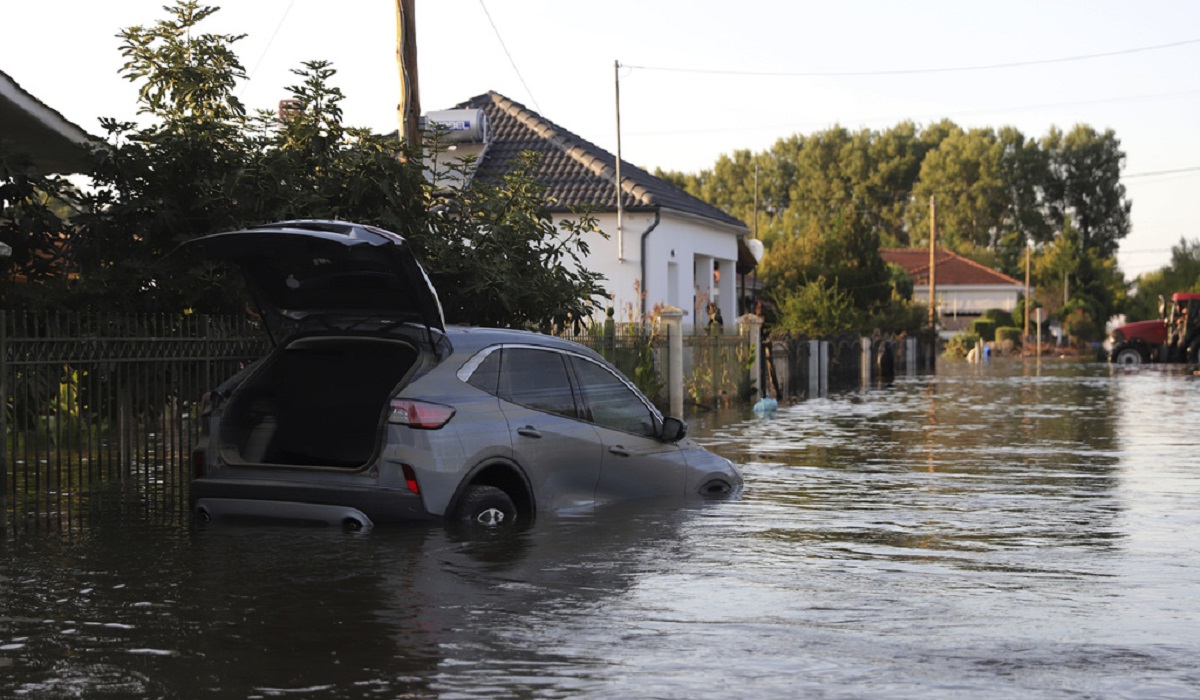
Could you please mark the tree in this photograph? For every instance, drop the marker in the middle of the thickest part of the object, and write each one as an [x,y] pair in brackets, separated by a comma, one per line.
[844,253]
[964,174]
[1182,274]
[202,165]
[1085,185]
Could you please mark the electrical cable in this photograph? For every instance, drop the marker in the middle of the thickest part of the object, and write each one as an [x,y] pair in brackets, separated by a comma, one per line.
[915,71]
[510,58]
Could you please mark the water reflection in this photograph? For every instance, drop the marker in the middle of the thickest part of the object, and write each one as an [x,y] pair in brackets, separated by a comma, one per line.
[986,531]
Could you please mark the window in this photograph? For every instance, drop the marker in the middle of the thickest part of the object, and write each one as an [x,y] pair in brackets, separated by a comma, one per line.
[536,379]
[613,404]
[487,375]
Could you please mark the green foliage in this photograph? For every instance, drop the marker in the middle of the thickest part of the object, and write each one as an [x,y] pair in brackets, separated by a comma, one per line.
[202,165]
[984,328]
[817,309]
[497,258]
[996,191]
[901,283]
[1081,324]
[1182,274]
[1009,334]
[898,317]
[1085,186]
[32,209]
[1000,317]
[845,250]
[960,345]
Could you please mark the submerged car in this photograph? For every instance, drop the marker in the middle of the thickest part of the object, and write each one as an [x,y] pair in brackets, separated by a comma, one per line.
[370,409]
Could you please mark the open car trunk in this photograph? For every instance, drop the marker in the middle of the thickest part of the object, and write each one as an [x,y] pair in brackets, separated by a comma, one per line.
[318,402]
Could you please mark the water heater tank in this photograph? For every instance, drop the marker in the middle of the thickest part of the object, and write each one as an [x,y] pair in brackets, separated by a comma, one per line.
[459,125]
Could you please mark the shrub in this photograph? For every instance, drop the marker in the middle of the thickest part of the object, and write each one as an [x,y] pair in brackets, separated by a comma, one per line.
[1008,337]
[984,328]
[961,344]
[1000,316]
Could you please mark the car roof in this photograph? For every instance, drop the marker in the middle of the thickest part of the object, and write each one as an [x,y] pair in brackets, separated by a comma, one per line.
[472,339]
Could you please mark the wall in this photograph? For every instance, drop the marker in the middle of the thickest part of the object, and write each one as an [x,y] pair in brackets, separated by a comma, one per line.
[680,252]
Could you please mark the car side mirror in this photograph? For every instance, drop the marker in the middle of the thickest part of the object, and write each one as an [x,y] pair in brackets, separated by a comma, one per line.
[673,429]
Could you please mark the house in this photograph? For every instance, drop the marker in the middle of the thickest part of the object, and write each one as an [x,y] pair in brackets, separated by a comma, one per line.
[672,247]
[30,127]
[965,289]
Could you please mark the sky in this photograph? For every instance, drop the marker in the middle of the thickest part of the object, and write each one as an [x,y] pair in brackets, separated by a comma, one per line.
[702,78]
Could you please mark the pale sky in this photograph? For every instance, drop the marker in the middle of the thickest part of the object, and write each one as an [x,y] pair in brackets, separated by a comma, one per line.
[1135,71]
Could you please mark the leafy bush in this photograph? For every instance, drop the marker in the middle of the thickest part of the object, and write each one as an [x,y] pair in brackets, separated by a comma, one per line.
[1000,317]
[985,328]
[817,309]
[899,317]
[961,344]
[1010,335]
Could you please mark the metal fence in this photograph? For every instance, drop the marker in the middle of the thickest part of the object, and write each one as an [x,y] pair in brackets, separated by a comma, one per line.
[100,410]
[716,366]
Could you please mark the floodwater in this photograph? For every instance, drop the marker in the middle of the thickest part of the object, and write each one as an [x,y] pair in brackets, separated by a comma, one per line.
[993,531]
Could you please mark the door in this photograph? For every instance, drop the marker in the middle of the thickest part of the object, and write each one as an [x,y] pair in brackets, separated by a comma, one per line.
[560,452]
[636,463]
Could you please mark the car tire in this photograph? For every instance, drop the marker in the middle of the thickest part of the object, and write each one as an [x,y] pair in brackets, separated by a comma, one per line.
[486,506]
[1193,352]
[1128,355]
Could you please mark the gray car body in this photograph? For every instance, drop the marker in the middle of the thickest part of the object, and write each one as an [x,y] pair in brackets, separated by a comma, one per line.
[544,461]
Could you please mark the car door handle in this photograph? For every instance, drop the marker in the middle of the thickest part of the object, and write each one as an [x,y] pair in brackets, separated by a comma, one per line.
[529,431]
[619,451]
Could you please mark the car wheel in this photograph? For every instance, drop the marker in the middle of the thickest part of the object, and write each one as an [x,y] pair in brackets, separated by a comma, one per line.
[1128,355]
[486,506]
[1193,352]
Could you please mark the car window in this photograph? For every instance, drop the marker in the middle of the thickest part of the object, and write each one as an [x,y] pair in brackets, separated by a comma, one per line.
[611,402]
[487,375]
[536,379]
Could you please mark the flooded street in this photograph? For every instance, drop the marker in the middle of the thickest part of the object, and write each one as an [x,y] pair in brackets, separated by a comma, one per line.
[993,531]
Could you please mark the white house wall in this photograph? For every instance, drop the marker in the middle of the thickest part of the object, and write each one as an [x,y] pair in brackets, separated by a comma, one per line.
[971,300]
[676,248]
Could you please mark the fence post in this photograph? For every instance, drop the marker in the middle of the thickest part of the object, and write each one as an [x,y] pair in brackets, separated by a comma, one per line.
[672,316]
[3,421]
[814,368]
[751,325]
[865,360]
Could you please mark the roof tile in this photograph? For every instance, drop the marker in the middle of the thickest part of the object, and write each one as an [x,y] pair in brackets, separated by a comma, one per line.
[577,173]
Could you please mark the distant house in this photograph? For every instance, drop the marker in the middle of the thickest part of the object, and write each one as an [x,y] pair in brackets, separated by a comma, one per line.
[964,288]
[673,247]
[29,126]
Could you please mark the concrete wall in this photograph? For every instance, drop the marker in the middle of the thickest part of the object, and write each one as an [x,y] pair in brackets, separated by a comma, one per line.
[681,255]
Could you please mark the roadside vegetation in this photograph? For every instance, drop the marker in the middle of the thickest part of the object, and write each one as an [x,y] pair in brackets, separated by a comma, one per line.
[825,203]
[199,162]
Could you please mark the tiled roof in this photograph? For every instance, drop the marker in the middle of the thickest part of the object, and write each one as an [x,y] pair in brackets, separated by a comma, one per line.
[952,268]
[577,173]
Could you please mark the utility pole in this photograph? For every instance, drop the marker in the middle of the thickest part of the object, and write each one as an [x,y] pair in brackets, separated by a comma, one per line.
[409,109]
[933,265]
[620,206]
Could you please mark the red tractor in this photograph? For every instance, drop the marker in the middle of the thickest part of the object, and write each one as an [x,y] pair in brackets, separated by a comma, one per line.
[1175,337]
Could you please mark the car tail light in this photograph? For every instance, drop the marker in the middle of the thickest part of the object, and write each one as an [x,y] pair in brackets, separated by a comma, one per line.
[410,479]
[420,414]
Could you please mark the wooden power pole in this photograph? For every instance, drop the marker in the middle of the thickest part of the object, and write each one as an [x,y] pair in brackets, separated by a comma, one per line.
[409,108]
[933,264]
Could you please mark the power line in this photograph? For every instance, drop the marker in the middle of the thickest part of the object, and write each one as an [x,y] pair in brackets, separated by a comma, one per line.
[742,127]
[916,71]
[510,58]
[267,48]
[1192,169]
